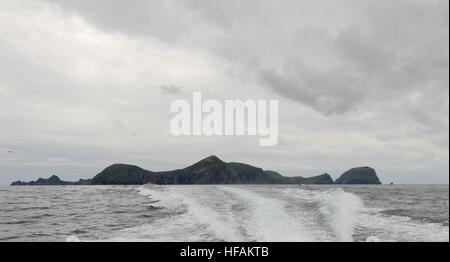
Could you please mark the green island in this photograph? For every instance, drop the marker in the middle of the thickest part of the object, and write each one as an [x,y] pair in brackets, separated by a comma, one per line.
[52,181]
[210,170]
[359,175]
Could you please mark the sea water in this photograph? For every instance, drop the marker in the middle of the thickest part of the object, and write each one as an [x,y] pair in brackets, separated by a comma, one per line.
[225,213]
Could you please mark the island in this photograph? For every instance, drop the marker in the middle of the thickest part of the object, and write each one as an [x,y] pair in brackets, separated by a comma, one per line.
[359,175]
[51,181]
[210,170]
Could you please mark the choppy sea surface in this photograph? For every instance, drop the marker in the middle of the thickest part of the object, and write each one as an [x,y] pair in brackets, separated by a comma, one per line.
[225,213]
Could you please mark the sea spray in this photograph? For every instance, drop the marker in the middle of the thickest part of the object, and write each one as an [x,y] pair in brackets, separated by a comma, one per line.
[338,209]
[266,219]
[72,239]
[117,213]
[387,228]
[220,224]
[342,210]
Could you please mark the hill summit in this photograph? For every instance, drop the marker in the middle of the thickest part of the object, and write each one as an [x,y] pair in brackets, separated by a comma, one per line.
[359,175]
[210,170]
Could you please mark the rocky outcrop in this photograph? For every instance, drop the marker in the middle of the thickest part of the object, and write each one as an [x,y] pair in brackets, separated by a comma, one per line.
[210,170]
[51,181]
[359,175]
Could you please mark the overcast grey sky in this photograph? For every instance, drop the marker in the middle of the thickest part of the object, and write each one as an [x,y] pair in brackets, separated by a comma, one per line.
[84,84]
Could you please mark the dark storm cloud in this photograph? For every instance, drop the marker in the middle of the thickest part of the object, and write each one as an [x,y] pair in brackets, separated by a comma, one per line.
[391,45]
[325,93]
[375,72]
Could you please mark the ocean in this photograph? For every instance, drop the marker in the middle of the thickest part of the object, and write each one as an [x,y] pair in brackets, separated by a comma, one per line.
[225,213]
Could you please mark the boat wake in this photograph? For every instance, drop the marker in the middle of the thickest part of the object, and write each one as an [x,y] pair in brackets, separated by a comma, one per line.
[277,214]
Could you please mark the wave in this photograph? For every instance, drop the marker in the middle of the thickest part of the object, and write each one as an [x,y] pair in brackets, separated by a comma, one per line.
[266,219]
[350,220]
[257,213]
[390,228]
[340,209]
[215,213]
[183,218]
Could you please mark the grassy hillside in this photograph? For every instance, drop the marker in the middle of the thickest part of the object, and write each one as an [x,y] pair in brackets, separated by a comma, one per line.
[359,175]
[210,170]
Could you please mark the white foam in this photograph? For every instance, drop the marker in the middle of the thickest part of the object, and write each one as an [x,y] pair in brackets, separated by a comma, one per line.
[266,219]
[347,217]
[340,209]
[191,220]
[251,213]
[398,228]
[72,239]
[372,239]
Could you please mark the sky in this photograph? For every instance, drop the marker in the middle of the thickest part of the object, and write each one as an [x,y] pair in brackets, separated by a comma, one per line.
[85,84]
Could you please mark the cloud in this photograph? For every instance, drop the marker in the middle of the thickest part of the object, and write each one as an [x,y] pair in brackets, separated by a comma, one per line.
[358,80]
[330,57]
[325,93]
[170,89]
[166,20]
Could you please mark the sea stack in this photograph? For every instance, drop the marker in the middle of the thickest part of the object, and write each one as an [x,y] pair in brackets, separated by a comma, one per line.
[359,175]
